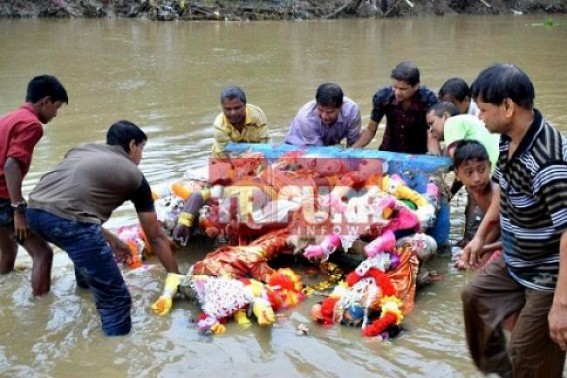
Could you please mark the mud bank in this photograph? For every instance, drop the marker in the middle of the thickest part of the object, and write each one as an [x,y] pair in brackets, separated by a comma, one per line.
[244,10]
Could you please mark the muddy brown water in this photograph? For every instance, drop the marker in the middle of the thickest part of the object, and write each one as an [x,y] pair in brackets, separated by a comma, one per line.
[167,77]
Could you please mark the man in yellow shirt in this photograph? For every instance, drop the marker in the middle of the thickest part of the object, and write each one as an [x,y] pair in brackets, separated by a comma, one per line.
[239,122]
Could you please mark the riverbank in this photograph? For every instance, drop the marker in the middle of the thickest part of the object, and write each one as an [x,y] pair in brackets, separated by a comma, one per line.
[249,10]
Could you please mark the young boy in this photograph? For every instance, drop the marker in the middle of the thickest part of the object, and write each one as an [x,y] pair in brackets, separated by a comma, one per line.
[457,91]
[447,125]
[20,131]
[472,167]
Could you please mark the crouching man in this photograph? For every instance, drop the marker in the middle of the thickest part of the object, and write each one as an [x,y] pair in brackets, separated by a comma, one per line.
[69,205]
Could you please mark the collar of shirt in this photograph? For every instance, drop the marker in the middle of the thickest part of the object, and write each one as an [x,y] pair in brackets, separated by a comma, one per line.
[533,130]
[30,107]
[247,122]
[528,139]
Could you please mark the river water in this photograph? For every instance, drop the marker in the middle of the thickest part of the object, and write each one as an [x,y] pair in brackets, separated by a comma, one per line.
[167,77]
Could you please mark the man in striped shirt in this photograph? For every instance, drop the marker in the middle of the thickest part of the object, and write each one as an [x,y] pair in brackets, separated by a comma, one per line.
[530,205]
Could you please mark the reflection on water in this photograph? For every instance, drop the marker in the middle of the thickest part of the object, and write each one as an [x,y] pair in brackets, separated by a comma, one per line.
[167,78]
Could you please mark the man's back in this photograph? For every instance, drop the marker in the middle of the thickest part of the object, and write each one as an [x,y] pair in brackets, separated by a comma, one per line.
[92,181]
[465,126]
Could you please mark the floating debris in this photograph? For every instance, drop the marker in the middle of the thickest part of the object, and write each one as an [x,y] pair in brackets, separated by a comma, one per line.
[302,330]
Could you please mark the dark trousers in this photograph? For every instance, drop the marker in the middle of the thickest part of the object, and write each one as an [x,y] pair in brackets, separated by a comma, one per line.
[95,266]
[487,300]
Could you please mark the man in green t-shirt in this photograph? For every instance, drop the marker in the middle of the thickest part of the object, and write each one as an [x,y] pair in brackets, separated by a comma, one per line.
[447,125]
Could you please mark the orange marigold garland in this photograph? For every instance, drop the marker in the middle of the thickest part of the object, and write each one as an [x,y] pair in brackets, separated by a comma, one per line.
[284,289]
[391,315]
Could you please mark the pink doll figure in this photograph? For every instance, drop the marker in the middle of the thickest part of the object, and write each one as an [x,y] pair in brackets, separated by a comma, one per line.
[403,219]
[382,243]
[323,250]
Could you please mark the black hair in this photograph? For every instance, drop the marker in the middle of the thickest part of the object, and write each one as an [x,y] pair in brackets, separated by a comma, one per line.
[406,72]
[444,107]
[329,94]
[122,132]
[501,81]
[231,93]
[456,89]
[46,85]
[469,149]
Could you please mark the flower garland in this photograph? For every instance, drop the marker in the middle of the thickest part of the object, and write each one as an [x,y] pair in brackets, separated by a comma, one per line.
[390,304]
[391,313]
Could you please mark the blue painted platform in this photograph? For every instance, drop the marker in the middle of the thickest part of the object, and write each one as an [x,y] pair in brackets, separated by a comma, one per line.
[414,169]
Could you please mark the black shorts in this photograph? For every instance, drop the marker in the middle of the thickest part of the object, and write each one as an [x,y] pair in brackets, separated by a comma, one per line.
[7,218]
[6,214]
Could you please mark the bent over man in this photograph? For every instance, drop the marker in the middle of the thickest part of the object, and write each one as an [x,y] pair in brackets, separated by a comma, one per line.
[327,120]
[69,205]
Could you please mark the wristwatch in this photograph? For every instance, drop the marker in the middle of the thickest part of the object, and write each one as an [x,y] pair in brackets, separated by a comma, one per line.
[20,207]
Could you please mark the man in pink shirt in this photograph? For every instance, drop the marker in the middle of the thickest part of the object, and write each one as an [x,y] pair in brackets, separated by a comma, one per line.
[20,131]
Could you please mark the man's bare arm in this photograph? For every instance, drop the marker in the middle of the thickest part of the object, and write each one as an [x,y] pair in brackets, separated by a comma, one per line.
[366,135]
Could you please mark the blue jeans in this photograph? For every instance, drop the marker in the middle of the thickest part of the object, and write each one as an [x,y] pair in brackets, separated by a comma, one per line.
[95,266]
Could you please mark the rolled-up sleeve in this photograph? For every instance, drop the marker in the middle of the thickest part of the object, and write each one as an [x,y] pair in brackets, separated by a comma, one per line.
[25,137]
[379,102]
